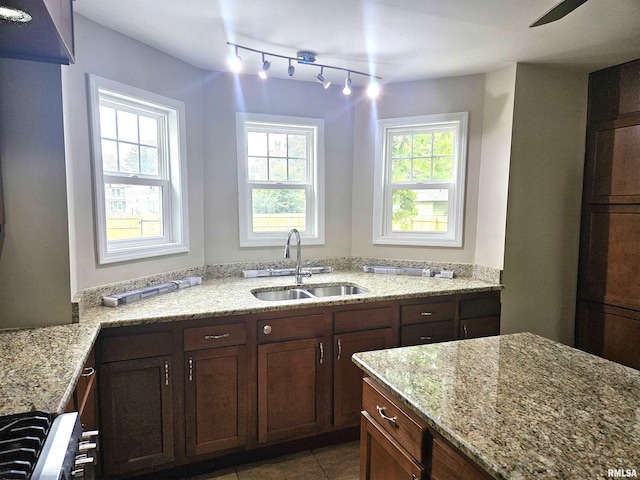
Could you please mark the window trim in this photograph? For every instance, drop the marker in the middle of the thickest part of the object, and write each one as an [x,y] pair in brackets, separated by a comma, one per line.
[382,233]
[175,207]
[314,189]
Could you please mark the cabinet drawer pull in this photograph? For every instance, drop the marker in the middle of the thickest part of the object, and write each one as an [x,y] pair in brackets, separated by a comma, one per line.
[166,372]
[216,337]
[391,420]
[339,349]
[426,337]
[88,372]
[266,329]
[426,314]
[190,368]
[321,352]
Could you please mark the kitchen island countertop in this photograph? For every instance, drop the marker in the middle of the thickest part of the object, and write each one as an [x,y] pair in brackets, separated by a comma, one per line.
[519,405]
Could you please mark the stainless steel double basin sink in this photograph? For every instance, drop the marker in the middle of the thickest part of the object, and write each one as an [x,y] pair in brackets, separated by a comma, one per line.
[303,292]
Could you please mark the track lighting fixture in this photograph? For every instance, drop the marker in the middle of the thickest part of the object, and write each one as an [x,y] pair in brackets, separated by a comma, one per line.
[320,78]
[304,57]
[235,62]
[347,85]
[266,65]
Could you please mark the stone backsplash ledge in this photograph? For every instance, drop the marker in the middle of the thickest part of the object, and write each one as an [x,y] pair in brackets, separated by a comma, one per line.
[92,297]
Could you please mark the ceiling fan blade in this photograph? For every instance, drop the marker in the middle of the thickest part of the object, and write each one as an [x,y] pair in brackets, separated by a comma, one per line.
[556,13]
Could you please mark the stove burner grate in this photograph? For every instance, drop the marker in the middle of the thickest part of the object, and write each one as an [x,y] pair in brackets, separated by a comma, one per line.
[22,437]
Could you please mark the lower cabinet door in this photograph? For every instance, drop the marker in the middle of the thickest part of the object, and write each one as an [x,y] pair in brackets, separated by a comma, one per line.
[294,387]
[347,377]
[382,458]
[137,414]
[216,398]
[479,327]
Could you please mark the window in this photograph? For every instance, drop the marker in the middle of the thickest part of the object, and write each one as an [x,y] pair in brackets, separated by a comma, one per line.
[419,180]
[280,178]
[139,172]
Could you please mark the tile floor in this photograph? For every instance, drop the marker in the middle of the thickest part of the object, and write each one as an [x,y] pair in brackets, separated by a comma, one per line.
[337,462]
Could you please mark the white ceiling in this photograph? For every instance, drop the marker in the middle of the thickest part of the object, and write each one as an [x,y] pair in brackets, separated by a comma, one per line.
[398,40]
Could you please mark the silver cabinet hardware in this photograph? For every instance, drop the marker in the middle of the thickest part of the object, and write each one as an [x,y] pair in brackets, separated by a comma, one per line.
[321,352]
[88,371]
[391,420]
[426,314]
[190,368]
[426,337]
[166,372]
[339,349]
[464,329]
[266,329]
[216,337]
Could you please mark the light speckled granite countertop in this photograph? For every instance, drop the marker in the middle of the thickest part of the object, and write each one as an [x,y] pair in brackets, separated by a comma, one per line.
[522,406]
[39,367]
[232,296]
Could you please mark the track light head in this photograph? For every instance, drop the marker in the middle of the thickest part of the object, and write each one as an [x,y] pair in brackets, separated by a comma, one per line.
[347,85]
[266,65]
[373,90]
[291,69]
[320,78]
[235,62]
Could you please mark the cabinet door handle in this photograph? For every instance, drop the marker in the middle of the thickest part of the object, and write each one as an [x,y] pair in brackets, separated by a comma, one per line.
[321,352]
[339,350]
[216,337]
[426,337]
[464,330]
[166,372]
[88,372]
[426,314]
[391,420]
[266,329]
[190,368]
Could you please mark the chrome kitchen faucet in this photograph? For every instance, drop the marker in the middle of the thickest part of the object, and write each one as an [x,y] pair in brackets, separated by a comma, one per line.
[287,254]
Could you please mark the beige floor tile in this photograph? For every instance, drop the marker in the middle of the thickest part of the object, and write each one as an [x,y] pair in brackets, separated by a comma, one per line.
[300,466]
[340,462]
[226,474]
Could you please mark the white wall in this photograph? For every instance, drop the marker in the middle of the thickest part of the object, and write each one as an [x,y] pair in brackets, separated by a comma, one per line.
[455,94]
[543,211]
[494,167]
[103,52]
[34,247]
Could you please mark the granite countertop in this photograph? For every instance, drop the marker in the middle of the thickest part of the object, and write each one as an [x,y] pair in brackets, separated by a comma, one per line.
[232,296]
[520,405]
[39,368]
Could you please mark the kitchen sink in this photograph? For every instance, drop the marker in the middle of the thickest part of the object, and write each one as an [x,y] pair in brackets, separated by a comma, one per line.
[301,293]
[333,290]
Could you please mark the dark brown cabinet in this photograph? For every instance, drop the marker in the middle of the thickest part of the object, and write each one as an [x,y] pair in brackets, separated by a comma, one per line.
[48,37]
[216,388]
[136,402]
[294,377]
[396,443]
[357,330]
[608,310]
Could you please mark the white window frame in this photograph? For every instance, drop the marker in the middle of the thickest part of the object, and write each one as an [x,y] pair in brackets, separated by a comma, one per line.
[173,170]
[382,214]
[314,187]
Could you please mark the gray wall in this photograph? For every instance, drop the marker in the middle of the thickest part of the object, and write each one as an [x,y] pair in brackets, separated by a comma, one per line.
[543,211]
[34,245]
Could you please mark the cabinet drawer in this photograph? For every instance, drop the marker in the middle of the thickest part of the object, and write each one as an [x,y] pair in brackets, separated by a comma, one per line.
[130,347]
[483,306]
[290,328]
[408,431]
[428,312]
[427,333]
[367,319]
[447,462]
[215,336]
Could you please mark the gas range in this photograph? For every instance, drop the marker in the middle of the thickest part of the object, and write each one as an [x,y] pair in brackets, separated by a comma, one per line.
[38,446]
